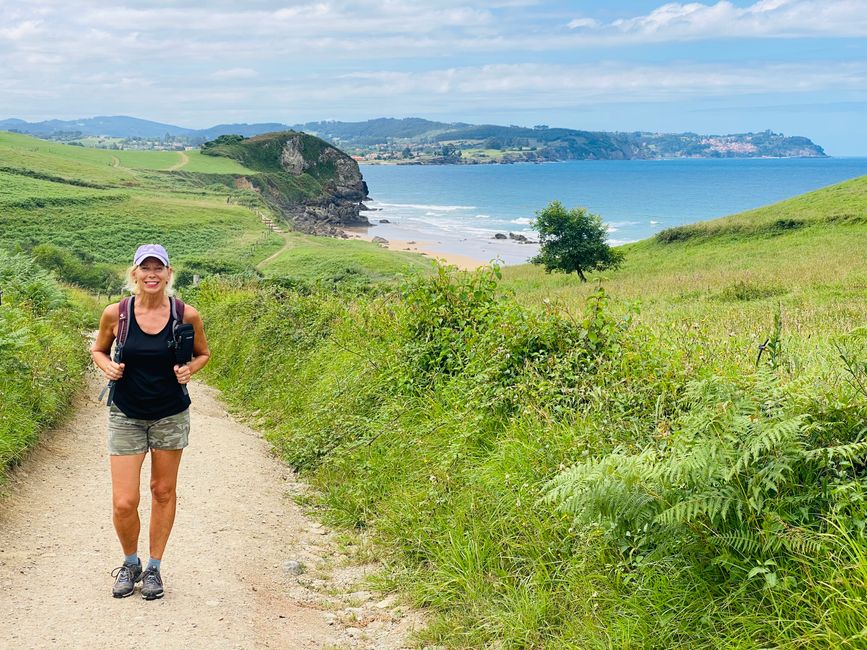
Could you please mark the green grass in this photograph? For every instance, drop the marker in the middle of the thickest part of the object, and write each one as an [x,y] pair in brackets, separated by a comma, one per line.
[435,415]
[42,354]
[159,160]
[74,198]
[87,163]
[214,165]
[79,163]
[110,231]
[17,189]
[317,258]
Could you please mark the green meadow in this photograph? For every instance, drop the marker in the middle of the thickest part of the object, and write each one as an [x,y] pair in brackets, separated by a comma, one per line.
[310,259]
[669,456]
[672,455]
[100,204]
[82,212]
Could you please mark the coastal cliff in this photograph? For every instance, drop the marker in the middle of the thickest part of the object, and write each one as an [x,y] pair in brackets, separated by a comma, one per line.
[314,186]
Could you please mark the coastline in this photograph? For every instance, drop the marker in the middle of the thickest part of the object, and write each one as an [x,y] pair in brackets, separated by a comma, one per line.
[463,262]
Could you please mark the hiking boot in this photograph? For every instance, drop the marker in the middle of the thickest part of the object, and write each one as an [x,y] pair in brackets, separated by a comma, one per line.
[125,576]
[151,584]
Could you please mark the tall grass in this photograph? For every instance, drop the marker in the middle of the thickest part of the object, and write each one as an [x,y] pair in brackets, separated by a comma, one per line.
[42,354]
[550,477]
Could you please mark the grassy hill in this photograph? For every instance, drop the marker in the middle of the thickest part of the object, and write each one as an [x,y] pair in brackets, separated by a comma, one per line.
[98,205]
[723,279]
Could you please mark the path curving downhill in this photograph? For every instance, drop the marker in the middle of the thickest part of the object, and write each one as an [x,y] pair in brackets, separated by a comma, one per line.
[286,246]
[181,163]
[228,570]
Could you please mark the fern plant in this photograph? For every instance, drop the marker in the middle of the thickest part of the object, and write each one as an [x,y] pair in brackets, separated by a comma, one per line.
[742,481]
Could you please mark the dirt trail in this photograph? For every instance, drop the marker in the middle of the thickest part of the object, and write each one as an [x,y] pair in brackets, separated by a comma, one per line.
[286,246]
[181,163]
[230,581]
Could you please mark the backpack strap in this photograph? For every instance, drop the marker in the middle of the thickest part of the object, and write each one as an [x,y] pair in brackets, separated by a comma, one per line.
[178,308]
[123,313]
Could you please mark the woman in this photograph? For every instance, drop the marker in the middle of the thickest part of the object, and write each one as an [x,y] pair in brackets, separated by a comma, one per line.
[150,411]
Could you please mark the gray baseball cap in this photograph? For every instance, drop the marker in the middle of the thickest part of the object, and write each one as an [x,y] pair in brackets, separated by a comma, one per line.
[150,250]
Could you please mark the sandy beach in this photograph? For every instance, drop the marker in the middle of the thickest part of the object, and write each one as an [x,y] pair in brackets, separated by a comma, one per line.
[464,262]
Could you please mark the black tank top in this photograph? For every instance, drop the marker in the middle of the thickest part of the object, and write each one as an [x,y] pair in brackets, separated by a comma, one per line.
[149,389]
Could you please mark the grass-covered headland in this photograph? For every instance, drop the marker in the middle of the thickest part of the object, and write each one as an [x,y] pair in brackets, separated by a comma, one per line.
[549,465]
[42,353]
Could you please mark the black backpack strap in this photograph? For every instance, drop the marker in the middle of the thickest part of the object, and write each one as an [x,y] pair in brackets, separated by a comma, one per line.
[178,308]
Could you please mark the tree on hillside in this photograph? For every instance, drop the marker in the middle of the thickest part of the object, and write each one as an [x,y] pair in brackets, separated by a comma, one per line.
[573,241]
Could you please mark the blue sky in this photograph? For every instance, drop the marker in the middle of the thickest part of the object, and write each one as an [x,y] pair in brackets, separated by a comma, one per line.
[795,66]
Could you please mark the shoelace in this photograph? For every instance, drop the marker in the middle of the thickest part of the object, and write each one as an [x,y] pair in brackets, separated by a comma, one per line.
[122,572]
[151,579]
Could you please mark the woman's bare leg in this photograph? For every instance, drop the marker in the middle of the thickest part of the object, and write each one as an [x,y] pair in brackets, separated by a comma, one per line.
[125,482]
[164,481]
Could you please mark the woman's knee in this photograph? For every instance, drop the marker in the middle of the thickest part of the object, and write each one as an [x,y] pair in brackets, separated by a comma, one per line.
[163,492]
[124,506]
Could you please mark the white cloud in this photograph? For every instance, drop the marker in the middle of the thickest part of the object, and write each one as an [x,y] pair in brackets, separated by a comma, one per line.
[582,22]
[270,59]
[566,85]
[764,19]
[235,73]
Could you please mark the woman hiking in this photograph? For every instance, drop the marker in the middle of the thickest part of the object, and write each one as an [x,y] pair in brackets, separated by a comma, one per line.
[149,409]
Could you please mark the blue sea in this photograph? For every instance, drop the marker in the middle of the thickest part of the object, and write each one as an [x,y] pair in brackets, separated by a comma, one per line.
[459,208]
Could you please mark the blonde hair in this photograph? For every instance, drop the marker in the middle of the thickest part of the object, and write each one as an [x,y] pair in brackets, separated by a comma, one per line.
[131,287]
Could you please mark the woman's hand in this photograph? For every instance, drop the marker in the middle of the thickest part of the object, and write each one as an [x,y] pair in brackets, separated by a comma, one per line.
[183,374]
[113,371]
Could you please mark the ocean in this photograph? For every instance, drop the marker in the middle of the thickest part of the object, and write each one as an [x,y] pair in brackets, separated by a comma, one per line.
[459,208]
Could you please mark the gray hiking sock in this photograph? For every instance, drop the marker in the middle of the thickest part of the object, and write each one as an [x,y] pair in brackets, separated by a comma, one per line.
[131,560]
[153,564]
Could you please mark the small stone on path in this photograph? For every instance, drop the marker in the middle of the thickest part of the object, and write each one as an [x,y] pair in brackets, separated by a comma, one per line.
[293,567]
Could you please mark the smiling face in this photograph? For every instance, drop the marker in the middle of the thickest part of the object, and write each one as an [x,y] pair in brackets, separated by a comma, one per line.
[152,276]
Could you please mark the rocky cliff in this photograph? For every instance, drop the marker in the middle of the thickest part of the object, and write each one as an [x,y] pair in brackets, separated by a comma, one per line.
[316,187]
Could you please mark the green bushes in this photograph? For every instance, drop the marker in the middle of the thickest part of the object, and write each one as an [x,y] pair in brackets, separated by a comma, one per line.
[79,269]
[42,354]
[546,478]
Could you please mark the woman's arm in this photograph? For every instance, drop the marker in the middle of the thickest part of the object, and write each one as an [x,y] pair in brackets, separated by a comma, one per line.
[101,348]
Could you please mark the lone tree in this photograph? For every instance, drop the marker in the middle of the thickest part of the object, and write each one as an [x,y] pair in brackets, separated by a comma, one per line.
[573,241]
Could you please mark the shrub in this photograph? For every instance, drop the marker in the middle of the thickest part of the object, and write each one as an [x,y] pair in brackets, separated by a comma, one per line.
[42,354]
[439,414]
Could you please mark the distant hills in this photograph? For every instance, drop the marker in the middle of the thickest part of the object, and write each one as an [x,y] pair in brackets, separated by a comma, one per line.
[420,141]
[122,126]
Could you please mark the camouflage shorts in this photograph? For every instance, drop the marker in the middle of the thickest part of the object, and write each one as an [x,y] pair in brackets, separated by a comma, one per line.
[128,436]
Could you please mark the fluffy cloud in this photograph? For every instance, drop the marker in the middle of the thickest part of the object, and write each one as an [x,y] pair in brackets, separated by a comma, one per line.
[234,73]
[568,85]
[763,19]
[273,60]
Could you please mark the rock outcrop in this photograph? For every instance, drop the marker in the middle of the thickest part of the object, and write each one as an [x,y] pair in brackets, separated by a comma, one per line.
[314,186]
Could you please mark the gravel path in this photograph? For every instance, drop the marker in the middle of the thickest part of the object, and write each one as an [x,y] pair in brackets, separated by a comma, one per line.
[230,568]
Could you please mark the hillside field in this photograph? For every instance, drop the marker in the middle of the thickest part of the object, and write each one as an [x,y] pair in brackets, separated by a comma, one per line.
[98,205]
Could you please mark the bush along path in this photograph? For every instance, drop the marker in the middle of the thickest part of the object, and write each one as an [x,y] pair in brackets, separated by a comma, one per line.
[245,568]
[542,478]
